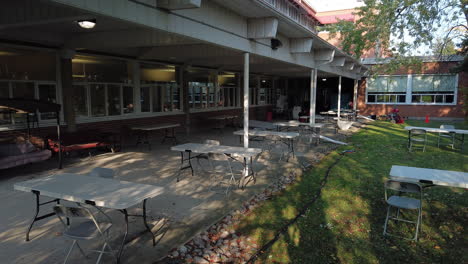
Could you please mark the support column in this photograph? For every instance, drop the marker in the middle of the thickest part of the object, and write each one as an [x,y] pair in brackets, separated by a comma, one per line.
[135,66]
[313,95]
[66,56]
[355,95]
[185,97]
[246,100]
[339,97]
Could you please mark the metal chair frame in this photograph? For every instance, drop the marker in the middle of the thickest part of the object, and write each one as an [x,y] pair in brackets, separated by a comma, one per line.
[417,135]
[210,157]
[450,135]
[67,215]
[403,187]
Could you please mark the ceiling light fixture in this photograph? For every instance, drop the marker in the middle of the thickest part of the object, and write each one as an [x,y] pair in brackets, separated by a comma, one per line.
[87,23]
[324,79]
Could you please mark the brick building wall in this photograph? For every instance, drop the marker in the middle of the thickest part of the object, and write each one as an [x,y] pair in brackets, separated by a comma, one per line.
[419,111]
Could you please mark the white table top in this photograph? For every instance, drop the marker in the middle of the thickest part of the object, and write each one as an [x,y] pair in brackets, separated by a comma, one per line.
[294,123]
[108,193]
[207,148]
[265,133]
[261,124]
[438,130]
[433,176]
[155,127]
[316,117]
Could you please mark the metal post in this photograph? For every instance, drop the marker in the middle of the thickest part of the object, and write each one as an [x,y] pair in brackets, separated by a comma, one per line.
[59,141]
[339,97]
[313,95]
[246,100]
[355,95]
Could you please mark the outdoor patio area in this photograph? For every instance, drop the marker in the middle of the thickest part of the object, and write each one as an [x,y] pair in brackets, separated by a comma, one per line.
[184,209]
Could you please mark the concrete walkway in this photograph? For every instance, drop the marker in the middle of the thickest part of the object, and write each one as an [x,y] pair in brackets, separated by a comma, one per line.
[186,208]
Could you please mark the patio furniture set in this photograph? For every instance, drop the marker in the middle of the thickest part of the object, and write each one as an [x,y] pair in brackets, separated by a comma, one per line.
[98,189]
[90,193]
[407,184]
[417,136]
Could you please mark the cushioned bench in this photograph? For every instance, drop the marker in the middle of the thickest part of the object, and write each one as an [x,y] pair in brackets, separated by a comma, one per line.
[81,140]
[17,154]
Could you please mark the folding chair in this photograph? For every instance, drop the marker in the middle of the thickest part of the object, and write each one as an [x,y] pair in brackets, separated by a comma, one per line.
[80,224]
[402,200]
[450,135]
[218,157]
[417,136]
[274,142]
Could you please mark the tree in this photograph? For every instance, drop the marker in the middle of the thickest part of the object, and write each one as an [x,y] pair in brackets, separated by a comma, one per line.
[398,27]
[443,47]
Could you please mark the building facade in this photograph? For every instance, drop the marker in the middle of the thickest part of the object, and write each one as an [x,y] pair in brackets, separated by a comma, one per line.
[156,61]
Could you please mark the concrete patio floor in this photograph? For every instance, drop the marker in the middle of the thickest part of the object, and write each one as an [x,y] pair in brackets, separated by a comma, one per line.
[186,207]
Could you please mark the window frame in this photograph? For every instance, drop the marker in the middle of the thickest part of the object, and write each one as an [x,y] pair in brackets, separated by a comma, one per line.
[409,91]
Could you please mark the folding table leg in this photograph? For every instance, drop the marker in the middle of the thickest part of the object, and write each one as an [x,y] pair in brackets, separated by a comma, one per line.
[146,223]
[182,159]
[36,218]
[119,254]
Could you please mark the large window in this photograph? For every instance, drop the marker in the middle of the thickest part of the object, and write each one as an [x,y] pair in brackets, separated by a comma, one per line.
[261,90]
[101,87]
[160,91]
[26,74]
[423,89]
[39,90]
[433,89]
[228,89]
[387,89]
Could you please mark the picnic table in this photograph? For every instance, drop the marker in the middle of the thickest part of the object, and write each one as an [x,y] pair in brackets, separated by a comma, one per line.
[287,137]
[430,176]
[97,191]
[461,132]
[246,155]
[145,130]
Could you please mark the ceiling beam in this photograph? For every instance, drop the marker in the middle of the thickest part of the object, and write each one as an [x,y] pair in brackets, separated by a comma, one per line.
[177,4]
[39,22]
[324,56]
[262,28]
[300,45]
[129,38]
[349,65]
[338,61]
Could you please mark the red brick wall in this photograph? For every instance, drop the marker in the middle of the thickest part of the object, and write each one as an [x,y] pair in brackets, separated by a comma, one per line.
[419,111]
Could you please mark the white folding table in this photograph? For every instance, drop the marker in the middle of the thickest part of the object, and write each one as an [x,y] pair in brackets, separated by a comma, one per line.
[232,152]
[223,120]
[286,137]
[462,132]
[430,176]
[145,130]
[97,191]
[262,125]
[316,127]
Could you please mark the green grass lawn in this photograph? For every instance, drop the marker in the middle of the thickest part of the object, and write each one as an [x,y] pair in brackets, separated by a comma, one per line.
[345,223]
